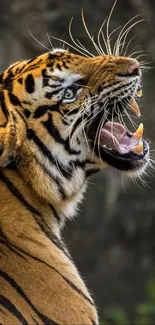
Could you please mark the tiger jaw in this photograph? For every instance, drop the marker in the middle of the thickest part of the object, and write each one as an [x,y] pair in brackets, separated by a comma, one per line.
[118,147]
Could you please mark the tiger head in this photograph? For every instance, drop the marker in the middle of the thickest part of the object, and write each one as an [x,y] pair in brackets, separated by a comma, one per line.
[61,113]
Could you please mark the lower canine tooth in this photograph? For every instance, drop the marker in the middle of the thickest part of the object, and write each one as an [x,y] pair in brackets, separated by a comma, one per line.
[139,132]
[138,149]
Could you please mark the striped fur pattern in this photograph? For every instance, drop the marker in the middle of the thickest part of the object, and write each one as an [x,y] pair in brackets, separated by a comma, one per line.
[45,160]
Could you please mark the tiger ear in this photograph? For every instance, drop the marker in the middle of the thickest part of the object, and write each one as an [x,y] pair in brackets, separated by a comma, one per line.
[12,133]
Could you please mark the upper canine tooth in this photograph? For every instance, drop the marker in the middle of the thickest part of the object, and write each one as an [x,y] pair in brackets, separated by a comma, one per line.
[134,106]
[139,93]
[138,149]
[139,132]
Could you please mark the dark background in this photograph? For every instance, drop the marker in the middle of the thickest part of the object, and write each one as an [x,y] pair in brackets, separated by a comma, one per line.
[112,240]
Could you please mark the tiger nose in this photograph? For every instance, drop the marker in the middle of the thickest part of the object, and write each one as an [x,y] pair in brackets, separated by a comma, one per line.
[134,68]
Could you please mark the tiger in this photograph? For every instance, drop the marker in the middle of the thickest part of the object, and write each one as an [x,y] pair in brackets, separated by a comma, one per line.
[60,123]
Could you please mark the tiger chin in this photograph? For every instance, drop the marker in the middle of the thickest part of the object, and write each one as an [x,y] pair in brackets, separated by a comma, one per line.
[60,122]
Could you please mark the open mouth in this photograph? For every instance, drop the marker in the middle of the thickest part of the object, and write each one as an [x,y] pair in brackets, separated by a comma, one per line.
[120,148]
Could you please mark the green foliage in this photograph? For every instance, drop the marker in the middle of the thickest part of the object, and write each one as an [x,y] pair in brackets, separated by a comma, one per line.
[144,313]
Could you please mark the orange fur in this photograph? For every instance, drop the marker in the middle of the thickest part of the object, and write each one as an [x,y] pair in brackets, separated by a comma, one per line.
[39,281]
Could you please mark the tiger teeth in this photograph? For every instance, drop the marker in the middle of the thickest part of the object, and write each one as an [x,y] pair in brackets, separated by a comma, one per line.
[135,107]
[138,149]
[139,93]
[139,132]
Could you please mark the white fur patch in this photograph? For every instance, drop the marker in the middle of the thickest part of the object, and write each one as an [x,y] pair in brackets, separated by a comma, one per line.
[58,50]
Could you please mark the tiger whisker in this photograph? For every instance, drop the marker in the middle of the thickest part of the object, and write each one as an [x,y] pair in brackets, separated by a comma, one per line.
[82,46]
[127,114]
[74,42]
[104,118]
[125,34]
[88,120]
[70,45]
[98,38]
[129,42]
[107,28]
[87,31]
[136,52]
[99,151]
[37,40]
[48,37]
[77,130]
[75,107]
[83,128]
[81,111]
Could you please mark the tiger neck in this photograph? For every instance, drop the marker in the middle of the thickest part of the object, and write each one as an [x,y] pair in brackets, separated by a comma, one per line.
[23,210]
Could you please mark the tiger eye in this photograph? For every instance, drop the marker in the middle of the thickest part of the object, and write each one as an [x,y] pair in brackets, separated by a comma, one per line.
[55,78]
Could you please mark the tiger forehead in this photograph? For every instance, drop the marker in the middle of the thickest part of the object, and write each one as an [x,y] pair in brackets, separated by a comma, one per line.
[60,61]
[51,61]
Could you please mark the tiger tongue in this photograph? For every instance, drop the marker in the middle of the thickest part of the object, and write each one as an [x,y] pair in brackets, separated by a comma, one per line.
[134,106]
[114,136]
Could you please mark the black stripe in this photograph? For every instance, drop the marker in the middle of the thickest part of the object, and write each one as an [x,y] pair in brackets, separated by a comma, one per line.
[47,153]
[26,112]
[46,78]
[8,81]
[40,111]
[57,217]
[20,69]
[1,78]
[14,99]
[22,117]
[3,105]
[71,284]
[70,112]
[20,80]
[115,89]
[26,102]
[58,66]
[40,221]
[20,291]
[53,56]
[54,178]
[91,172]
[8,245]
[76,124]
[7,304]
[32,66]
[53,131]
[30,84]
[65,65]
[54,92]
[43,109]
[18,195]
[107,85]
[54,86]
[13,66]
[35,321]
[31,60]
[65,122]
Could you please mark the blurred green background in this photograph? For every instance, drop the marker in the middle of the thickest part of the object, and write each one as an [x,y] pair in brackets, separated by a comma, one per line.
[113,239]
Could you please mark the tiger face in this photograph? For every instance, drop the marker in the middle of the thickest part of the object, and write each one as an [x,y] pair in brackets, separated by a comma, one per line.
[70,107]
